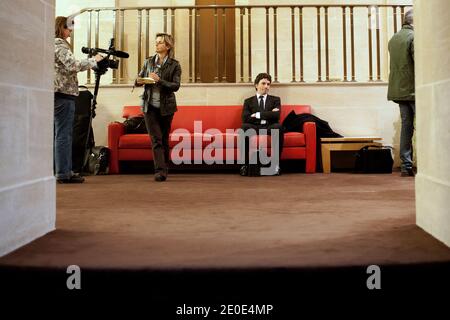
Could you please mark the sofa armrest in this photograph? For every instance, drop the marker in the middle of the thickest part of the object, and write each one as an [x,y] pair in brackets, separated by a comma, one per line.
[115,131]
[309,129]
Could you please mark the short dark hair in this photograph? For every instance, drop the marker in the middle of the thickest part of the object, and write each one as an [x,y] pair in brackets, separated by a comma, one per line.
[261,76]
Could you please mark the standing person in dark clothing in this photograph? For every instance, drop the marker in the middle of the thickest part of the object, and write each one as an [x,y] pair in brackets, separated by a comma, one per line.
[401,88]
[159,103]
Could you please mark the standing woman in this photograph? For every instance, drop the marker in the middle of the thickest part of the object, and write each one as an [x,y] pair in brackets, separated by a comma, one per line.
[66,90]
[159,103]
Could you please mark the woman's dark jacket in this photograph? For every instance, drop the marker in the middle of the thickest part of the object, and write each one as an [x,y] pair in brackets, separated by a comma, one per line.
[169,83]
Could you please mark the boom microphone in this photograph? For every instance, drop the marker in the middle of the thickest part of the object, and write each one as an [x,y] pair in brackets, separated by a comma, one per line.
[121,54]
[94,51]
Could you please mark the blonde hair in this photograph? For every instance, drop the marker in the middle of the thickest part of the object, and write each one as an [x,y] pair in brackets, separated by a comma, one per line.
[168,39]
[60,25]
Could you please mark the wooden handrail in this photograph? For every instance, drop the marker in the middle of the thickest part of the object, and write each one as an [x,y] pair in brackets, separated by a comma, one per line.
[212,6]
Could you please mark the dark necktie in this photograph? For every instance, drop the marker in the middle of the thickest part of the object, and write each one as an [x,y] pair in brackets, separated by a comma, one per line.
[261,102]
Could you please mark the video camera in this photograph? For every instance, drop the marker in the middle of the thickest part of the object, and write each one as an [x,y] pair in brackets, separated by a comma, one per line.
[103,65]
[101,68]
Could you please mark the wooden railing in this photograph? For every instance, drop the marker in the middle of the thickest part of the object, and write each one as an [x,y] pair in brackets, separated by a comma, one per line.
[357,50]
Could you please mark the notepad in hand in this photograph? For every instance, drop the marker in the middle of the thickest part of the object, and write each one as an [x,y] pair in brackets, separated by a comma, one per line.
[147,80]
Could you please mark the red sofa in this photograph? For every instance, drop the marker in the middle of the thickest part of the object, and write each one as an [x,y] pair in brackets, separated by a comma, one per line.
[138,146]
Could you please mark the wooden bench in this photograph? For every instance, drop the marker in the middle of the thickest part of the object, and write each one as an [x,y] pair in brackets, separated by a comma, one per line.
[343,144]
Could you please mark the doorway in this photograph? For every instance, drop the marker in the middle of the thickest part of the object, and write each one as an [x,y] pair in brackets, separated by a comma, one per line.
[216,55]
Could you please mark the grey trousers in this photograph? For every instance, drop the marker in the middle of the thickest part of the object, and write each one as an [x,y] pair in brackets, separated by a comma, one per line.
[407,112]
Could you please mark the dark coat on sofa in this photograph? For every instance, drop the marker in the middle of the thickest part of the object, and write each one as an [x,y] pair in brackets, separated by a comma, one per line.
[294,123]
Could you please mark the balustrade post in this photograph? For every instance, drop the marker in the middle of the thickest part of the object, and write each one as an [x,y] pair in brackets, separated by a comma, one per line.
[319,50]
[275,45]
[89,43]
[301,42]
[327,53]
[369,30]
[377,12]
[114,31]
[344,42]
[216,45]
[224,48]
[172,26]
[267,42]
[293,42]
[190,45]
[139,40]
[241,43]
[352,37]
[249,44]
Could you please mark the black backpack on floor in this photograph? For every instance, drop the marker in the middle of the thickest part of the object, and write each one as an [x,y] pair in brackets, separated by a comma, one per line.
[374,159]
[97,161]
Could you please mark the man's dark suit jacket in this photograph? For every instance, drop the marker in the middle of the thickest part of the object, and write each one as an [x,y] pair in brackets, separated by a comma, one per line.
[251,106]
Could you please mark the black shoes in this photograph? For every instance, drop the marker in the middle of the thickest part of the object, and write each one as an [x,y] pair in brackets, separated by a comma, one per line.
[159,177]
[72,179]
[408,173]
[244,171]
[161,174]
[278,172]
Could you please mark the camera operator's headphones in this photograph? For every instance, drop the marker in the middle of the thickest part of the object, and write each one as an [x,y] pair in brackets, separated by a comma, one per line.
[70,23]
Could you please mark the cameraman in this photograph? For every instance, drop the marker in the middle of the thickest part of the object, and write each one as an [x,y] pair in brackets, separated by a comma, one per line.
[66,90]
[159,103]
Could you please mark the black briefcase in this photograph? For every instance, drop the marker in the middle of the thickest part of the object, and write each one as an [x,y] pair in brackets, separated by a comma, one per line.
[374,160]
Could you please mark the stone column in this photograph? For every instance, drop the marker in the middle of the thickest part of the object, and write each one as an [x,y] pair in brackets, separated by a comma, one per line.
[27,185]
[432,60]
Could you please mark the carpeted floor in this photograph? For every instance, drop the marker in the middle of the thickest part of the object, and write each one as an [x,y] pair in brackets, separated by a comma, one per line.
[211,220]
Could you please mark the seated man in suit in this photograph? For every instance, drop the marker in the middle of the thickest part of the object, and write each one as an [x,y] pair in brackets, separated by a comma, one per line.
[262,111]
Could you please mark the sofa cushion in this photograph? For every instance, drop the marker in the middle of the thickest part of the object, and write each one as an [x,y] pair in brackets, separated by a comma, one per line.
[142,141]
[134,141]
[294,139]
[291,139]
